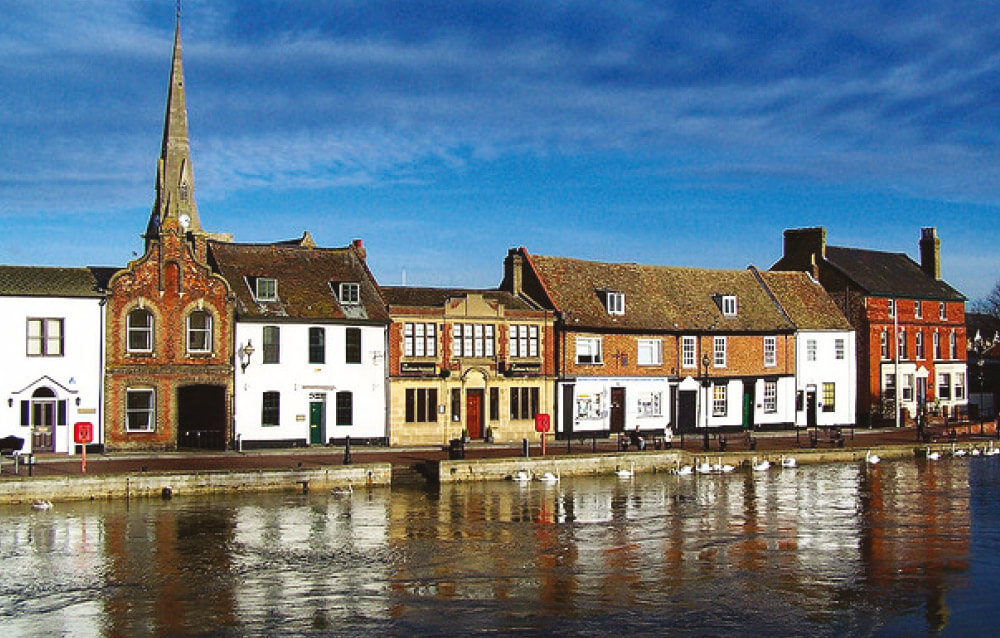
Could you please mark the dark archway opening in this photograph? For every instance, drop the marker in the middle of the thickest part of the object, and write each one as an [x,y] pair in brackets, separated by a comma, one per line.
[201,417]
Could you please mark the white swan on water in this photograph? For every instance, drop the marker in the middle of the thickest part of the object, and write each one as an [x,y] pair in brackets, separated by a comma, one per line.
[872,459]
[685,470]
[788,462]
[40,504]
[760,467]
[520,476]
[549,477]
[703,467]
[620,473]
[933,455]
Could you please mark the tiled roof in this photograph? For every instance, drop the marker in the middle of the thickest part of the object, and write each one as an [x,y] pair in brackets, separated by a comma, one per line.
[656,297]
[304,275]
[436,297]
[889,274]
[43,281]
[805,302]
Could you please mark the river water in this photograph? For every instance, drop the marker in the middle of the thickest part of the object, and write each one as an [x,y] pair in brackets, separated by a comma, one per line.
[903,548]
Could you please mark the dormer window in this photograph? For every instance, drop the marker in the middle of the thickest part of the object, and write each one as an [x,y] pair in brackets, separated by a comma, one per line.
[349,293]
[729,305]
[616,302]
[265,289]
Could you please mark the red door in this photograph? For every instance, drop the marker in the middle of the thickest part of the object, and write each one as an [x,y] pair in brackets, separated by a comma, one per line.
[474,413]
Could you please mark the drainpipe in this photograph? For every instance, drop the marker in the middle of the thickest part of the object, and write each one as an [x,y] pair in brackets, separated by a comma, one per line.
[895,331]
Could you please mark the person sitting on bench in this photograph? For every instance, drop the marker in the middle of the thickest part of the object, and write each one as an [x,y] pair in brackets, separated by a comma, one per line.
[635,438]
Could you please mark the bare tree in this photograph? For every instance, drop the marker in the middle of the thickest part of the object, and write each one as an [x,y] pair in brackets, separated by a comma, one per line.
[990,304]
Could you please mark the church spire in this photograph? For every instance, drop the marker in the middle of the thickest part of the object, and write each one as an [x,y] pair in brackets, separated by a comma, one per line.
[174,175]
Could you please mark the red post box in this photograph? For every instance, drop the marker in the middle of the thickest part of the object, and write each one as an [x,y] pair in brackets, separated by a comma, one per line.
[83,433]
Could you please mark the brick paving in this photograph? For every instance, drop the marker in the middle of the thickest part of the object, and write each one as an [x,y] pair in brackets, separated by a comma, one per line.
[201,461]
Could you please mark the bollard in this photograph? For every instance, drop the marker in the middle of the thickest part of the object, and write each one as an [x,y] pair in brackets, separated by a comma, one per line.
[347,451]
[525,450]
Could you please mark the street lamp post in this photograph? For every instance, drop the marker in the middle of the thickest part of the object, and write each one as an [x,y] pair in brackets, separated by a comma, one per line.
[981,362]
[704,364]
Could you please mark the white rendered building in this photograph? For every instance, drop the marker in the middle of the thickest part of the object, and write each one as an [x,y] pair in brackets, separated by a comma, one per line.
[52,371]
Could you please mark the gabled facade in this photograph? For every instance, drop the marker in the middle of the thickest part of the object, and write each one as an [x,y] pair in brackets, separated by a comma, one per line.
[310,339]
[646,346]
[52,356]
[825,384]
[168,328]
[478,362]
[910,325]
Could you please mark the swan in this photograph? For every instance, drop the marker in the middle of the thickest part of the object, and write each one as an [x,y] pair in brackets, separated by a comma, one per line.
[933,455]
[725,467]
[549,477]
[685,470]
[992,450]
[975,451]
[704,467]
[788,461]
[40,504]
[620,473]
[340,491]
[521,476]
[958,452]
[760,467]
[872,459]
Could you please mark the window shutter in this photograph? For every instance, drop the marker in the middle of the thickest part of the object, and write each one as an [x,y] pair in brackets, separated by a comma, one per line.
[25,413]
[61,416]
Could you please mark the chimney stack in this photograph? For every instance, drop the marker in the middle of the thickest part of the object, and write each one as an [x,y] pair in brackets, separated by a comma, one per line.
[804,248]
[359,248]
[930,252]
[513,275]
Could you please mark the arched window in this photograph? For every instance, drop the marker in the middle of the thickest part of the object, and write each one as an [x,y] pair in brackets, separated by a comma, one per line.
[199,331]
[140,331]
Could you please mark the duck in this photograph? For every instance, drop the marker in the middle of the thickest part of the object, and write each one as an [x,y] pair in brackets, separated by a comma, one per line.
[629,473]
[933,455]
[872,459]
[520,476]
[549,477]
[41,504]
[788,462]
[342,491]
[760,467]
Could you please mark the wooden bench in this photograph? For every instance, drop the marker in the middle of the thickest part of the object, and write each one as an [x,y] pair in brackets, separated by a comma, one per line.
[10,448]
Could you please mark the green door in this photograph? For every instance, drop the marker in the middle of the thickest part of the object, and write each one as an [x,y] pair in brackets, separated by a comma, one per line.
[317,422]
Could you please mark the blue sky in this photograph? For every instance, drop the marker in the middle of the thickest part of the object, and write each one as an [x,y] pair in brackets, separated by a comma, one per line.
[442,133]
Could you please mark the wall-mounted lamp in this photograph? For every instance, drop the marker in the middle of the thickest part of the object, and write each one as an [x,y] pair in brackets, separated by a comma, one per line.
[245,353]
[10,402]
[78,402]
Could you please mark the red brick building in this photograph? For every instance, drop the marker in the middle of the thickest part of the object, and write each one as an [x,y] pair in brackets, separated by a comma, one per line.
[641,346]
[169,370]
[911,333]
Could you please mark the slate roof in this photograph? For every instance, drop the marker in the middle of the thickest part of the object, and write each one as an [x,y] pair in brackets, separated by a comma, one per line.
[436,297]
[805,302]
[657,298]
[45,281]
[304,275]
[887,274]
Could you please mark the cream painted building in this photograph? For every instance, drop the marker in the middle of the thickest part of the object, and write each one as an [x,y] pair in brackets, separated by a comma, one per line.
[474,363]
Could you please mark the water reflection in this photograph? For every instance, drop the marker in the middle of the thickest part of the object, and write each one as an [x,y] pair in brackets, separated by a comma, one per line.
[830,550]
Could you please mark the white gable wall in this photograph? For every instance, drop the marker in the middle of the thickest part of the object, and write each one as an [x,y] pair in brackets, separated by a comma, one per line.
[811,375]
[75,376]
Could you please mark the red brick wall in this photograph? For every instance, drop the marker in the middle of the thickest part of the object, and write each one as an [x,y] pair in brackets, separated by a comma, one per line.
[171,284]
[876,318]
